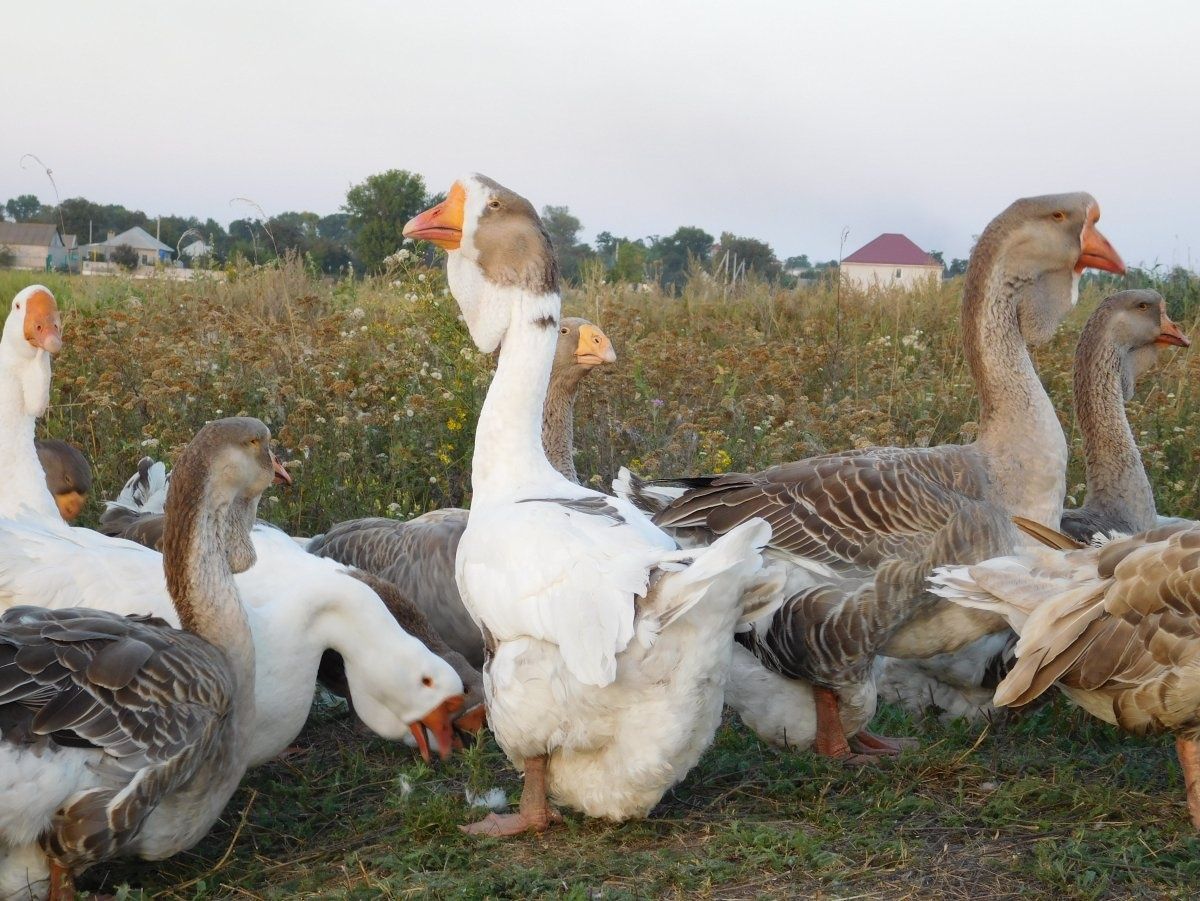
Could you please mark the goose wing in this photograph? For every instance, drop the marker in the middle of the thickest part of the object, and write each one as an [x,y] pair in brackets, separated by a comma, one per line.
[850,511]
[152,698]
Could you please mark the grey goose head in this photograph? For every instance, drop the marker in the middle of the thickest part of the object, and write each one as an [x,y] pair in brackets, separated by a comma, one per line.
[494,240]
[1134,325]
[1043,244]
[68,475]
[581,346]
[222,472]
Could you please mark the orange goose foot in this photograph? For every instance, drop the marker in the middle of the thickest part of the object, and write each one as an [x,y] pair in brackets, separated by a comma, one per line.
[830,740]
[534,815]
[866,742]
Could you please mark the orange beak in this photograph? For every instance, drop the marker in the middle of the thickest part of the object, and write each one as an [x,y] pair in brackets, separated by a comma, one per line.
[282,476]
[594,348]
[439,721]
[1095,251]
[471,720]
[1172,333]
[442,224]
[43,328]
[70,505]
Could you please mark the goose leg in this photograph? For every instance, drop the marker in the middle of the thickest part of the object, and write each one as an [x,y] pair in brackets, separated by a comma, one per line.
[831,738]
[1189,761]
[62,883]
[534,813]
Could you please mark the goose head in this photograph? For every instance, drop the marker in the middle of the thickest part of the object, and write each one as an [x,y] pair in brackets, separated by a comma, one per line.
[1135,324]
[582,346]
[1043,244]
[497,250]
[68,476]
[33,325]
[225,469]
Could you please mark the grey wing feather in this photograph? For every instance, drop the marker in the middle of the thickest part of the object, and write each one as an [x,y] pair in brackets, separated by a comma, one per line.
[152,698]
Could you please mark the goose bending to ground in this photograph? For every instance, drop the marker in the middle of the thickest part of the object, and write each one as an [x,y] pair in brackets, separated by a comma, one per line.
[68,476]
[122,735]
[1116,627]
[608,647]
[1120,341]
[298,605]
[418,556]
[861,530]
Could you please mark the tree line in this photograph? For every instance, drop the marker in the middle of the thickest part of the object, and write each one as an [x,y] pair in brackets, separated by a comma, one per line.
[367,230]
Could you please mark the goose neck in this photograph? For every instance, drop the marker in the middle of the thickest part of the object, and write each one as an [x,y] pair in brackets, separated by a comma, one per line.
[1117,485]
[24,395]
[558,423]
[1019,431]
[509,457]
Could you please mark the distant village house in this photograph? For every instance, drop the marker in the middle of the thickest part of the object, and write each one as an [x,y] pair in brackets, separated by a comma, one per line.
[891,260]
[37,245]
[150,251]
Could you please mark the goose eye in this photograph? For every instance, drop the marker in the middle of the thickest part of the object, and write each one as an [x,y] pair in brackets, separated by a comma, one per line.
[563,330]
[254,442]
[1143,305]
[1059,216]
[494,204]
[427,682]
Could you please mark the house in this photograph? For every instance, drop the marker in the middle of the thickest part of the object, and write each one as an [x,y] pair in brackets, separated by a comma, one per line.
[149,249]
[35,245]
[891,260]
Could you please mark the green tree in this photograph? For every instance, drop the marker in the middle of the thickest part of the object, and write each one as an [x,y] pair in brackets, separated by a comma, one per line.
[797,262]
[629,263]
[564,229]
[377,210]
[674,253]
[7,257]
[335,227]
[23,208]
[937,255]
[754,255]
[956,267]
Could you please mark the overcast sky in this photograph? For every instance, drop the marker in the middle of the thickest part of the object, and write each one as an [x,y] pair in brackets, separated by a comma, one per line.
[784,121]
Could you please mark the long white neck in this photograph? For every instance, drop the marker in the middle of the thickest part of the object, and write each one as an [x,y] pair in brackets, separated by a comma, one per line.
[1019,431]
[510,461]
[24,395]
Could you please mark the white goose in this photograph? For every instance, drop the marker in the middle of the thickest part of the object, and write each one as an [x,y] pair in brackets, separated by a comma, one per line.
[123,736]
[608,647]
[298,605]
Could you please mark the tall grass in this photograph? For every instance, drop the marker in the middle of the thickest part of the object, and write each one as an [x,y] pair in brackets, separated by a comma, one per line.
[372,388]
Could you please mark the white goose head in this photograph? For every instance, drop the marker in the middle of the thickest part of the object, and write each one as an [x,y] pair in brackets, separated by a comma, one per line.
[497,250]
[33,324]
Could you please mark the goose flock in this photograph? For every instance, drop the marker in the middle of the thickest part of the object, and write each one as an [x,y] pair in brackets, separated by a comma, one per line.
[145,667]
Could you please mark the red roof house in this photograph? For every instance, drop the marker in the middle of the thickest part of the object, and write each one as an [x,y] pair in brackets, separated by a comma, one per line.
[891,260]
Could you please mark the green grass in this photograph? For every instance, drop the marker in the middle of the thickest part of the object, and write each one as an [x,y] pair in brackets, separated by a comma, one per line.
[1050,804]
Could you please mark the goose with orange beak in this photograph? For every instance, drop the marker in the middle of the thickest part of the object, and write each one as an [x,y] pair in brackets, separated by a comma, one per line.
[32,333]
[607,646]
[861,530]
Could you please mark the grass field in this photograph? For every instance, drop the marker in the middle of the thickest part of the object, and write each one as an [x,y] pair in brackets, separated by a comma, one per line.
[372,389]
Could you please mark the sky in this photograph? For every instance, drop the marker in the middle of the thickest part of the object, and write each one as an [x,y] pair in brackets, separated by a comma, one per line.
[785,121]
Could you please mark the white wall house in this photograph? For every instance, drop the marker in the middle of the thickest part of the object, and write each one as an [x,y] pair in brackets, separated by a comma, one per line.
[891,260]
[34,245]
[150,250]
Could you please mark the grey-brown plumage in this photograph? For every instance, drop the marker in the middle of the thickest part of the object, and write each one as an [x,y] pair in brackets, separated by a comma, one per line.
[1119,342]
[144,723]
[878,521]
[417,556]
